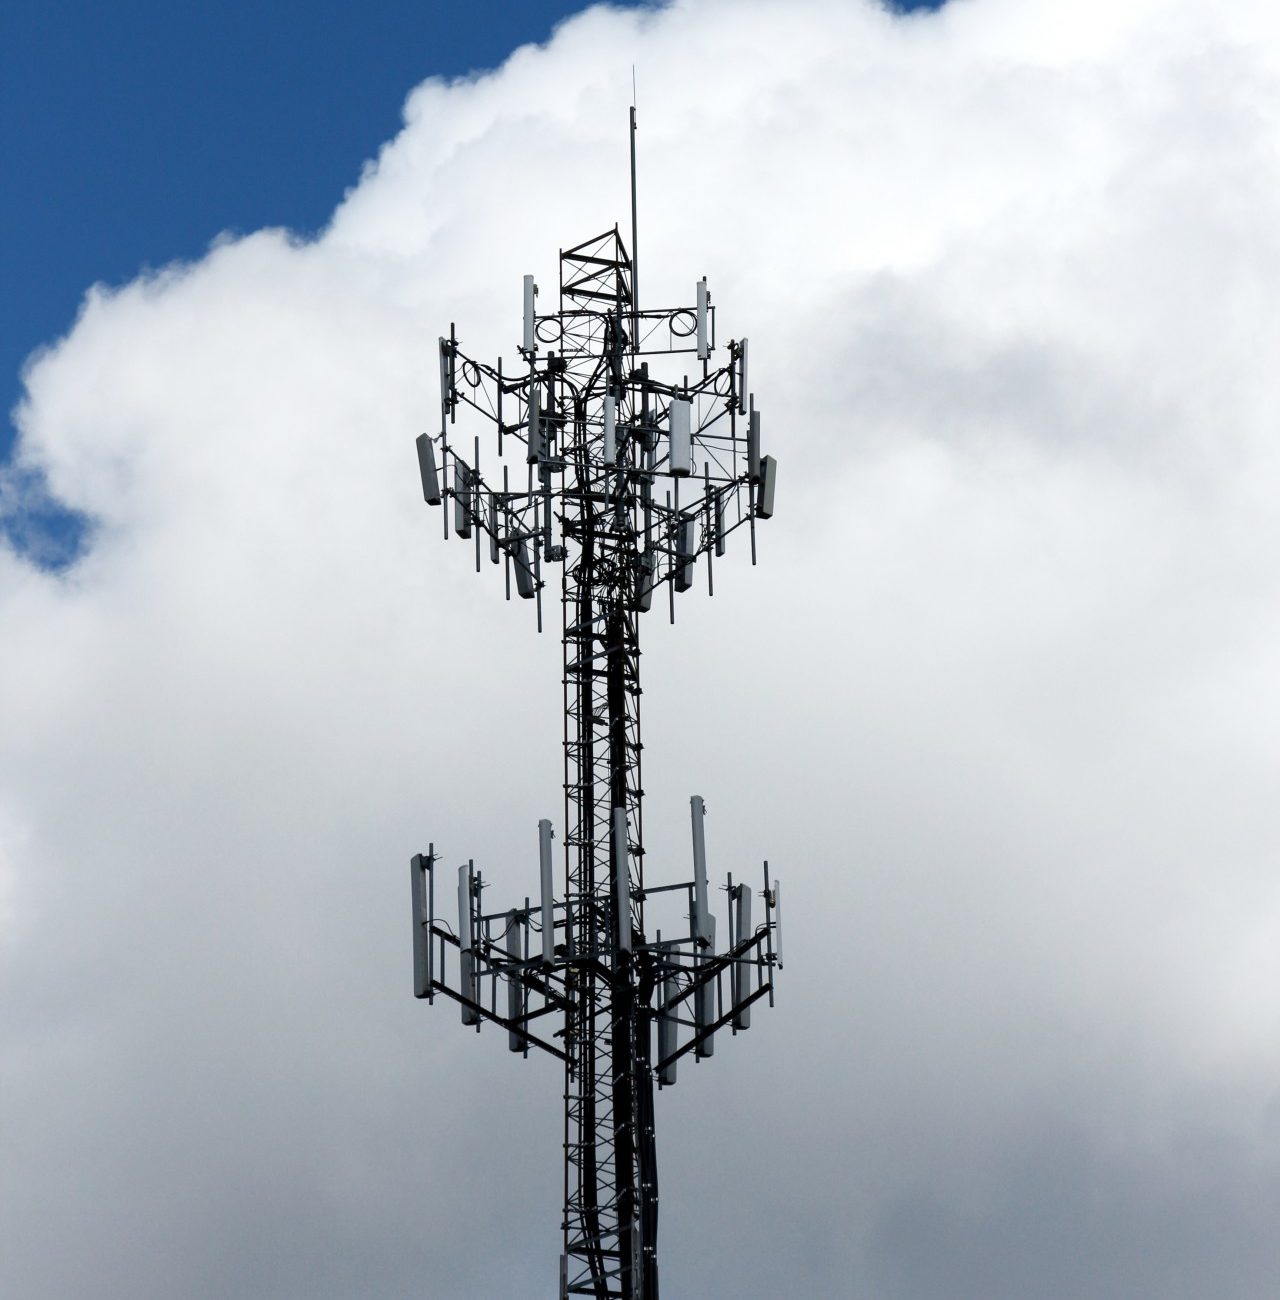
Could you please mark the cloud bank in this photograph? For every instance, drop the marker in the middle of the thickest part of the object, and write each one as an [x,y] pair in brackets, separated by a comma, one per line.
[999,702]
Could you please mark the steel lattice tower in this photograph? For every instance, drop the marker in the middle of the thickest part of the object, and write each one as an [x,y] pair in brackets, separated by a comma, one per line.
[606,450]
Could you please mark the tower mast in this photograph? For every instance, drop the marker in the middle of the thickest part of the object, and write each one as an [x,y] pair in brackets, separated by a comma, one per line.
[607,449]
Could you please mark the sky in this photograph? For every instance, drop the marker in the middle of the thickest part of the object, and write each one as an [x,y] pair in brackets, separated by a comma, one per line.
[997,703]
[140,131]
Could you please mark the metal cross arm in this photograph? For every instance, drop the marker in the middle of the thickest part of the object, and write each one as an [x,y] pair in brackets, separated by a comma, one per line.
[494,952]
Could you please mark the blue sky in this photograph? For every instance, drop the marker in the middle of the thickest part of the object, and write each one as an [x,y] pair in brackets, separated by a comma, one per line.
[136,131]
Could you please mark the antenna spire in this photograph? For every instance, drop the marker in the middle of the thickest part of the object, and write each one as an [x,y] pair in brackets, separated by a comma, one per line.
[635,236]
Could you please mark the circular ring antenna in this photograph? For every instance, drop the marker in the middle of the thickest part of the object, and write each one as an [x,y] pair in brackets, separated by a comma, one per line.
[683,323]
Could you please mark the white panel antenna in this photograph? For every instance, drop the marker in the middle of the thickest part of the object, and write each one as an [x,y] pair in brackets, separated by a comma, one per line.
[681,451]
[530,315]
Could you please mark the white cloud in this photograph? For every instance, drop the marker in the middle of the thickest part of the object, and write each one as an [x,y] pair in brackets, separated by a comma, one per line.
[999,702]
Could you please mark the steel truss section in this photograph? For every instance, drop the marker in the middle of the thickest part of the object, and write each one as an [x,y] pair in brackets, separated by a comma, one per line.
[624,479]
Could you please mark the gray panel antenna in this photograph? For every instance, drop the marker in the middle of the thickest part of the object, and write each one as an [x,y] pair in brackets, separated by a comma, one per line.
[461,499]
[668,1028]
[764,495]
[534,432]
[743,971]
[418,869]
[466,955]
[624,446]
[515,982]
[427,470]
[700,918]
[705,997]
[548,892]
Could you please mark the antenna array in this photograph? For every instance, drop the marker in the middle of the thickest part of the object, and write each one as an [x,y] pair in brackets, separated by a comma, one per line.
[623,480]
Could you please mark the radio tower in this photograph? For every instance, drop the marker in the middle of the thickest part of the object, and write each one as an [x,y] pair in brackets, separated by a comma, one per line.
[623,478]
